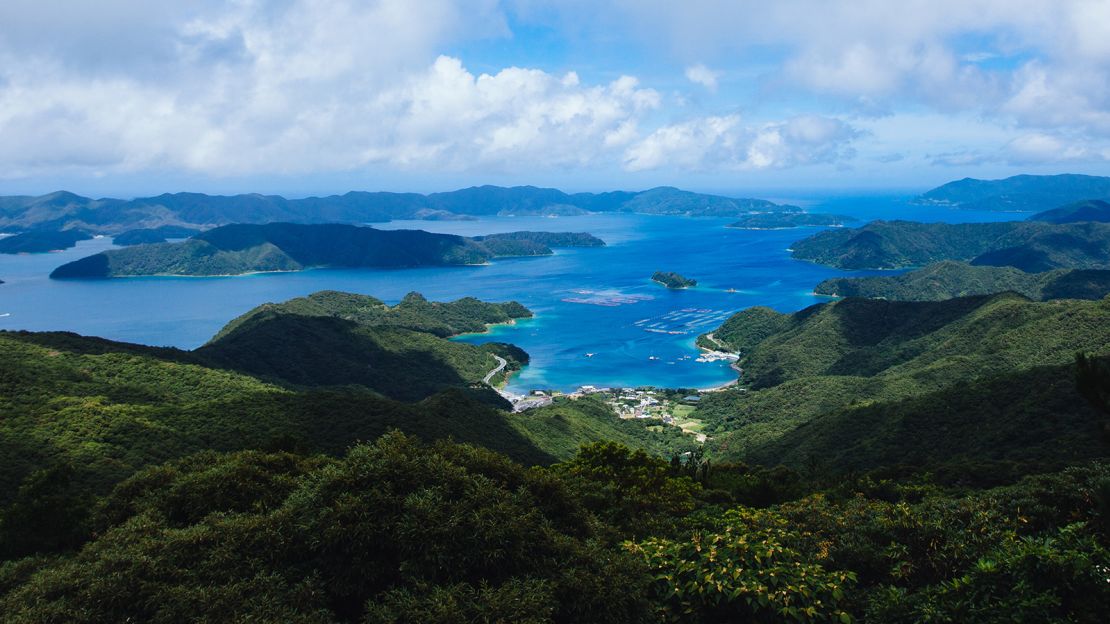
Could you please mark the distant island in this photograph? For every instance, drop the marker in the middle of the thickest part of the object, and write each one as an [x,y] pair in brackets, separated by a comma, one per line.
[1027,245]
[950,279]
[147,236]
[673,280]
[244,248]
[1022,193]
[787,220]
[41,241]
[1087,210]
[65,210]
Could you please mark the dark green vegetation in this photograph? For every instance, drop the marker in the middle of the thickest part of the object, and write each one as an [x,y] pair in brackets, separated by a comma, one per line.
[1087,210]
[66,210]
[40,241]
[1026,245]
[942,463]
[673,280]
[781,221]
[147,236]
[100,410]
[333,338]
[949,279]
[238,249]
[745,329]
[860,384]
[1019,193]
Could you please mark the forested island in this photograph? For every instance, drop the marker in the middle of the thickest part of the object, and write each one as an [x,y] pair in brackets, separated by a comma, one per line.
[64,210]
[1087,210]
[950,279]
[41,241]
[673,280]
[1031,246]
[784,221]
[1021,193]
[147,236]
[243,248]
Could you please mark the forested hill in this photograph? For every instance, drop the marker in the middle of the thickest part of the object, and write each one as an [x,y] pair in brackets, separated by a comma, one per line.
[1028,193]
[62,210]
[244,248]
[1087,210]
[316,373]
[1027,245]
[968,379]
[334,338]
[949,279]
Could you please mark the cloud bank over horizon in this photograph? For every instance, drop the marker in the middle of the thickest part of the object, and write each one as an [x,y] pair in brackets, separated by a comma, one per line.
[706,93]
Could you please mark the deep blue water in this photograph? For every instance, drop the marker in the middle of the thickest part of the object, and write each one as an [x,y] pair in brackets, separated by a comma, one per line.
[565,291]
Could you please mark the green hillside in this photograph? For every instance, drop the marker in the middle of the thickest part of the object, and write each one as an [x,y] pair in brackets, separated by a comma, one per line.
[243,248]
[1086,210]
[108,409]
[857,353]
[950,279]
[1027,245]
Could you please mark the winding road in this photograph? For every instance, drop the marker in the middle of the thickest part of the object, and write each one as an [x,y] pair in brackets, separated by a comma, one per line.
[501,364]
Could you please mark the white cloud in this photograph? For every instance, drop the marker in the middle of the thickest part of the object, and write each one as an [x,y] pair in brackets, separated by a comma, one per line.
[702,75]
[722,143]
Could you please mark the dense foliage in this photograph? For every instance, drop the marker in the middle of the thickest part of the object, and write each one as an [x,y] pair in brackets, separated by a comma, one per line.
[1031,246]
[673,280]
[863,383]
[950,279]
[403,531]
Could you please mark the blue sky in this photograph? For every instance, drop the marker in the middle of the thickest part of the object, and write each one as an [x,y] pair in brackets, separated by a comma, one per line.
[130,97]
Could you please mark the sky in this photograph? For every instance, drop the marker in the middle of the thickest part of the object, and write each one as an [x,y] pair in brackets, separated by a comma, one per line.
[299,97]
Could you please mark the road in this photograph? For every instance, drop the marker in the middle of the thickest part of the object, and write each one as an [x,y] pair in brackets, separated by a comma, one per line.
[501,364]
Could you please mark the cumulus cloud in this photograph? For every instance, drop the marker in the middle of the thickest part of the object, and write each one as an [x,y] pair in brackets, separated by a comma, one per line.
[719,143]
[702,75]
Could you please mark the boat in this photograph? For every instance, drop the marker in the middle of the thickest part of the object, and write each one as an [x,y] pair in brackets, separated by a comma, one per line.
[590,355]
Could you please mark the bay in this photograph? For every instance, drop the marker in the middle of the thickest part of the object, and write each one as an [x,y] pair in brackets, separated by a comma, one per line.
[599,318]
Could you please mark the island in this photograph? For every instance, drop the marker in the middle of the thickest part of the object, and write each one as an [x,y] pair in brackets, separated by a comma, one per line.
[147,236]
[1021,193]
[41,241]
[1087,210]
[1027,245]
[788,220]
[950,279]
[673,280]
[65,210]
[245,248]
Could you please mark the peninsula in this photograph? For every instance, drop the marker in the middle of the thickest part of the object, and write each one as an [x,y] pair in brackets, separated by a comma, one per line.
[789,220]
[243,248]
[673,280]
[41,241]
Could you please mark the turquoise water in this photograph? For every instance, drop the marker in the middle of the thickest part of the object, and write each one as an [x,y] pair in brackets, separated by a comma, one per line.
[598,301]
